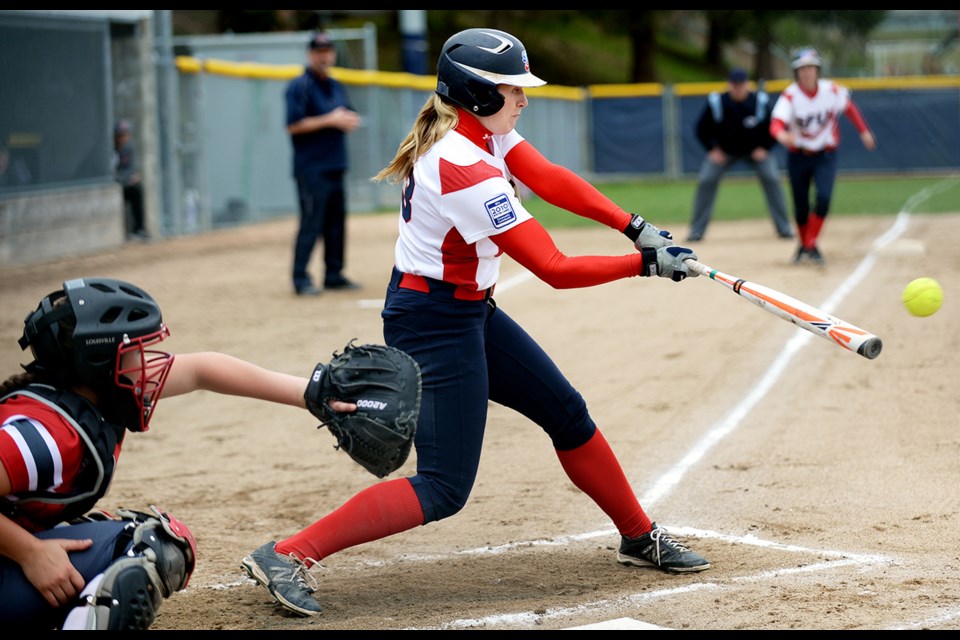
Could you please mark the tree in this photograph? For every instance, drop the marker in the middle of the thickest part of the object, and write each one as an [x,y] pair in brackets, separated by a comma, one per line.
[723,27]
[759,29]
[579,47]
[767,29]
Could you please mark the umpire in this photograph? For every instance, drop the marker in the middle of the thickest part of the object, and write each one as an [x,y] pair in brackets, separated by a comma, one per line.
[734,126]
[319,117]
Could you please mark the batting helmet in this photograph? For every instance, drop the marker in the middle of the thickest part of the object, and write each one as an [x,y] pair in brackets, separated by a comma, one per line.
[805,57]
[80,334]
[473,62]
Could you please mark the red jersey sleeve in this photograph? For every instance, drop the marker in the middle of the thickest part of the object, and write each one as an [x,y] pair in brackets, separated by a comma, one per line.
[856,118]
[532,247]
[563,188]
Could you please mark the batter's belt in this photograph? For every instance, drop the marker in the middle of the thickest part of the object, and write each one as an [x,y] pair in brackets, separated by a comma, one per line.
[808,152]
[433,286]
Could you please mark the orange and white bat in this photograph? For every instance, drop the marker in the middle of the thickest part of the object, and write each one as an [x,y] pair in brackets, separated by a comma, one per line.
[803,315]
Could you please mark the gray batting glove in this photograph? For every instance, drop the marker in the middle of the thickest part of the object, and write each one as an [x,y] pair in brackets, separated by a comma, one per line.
[668,262]
[645,235]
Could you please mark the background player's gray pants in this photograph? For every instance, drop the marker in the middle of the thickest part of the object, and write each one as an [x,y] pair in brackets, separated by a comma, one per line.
[709,178]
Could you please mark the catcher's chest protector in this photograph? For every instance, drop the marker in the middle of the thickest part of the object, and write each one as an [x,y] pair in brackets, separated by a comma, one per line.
[100,439]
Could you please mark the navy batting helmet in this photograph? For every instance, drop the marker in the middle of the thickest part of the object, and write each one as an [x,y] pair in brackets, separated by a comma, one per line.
[472,64]
[80,334]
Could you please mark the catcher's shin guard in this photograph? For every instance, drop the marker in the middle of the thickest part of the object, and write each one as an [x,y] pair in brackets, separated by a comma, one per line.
[166,542]
[125,597]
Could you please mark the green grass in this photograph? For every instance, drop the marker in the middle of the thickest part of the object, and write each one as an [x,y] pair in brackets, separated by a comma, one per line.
[738,198]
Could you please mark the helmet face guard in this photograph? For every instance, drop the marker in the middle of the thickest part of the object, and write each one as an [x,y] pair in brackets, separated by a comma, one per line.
[143,372]
[474,62]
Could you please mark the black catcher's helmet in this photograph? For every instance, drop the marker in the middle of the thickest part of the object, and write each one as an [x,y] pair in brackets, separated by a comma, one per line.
[82,334]
[472,64]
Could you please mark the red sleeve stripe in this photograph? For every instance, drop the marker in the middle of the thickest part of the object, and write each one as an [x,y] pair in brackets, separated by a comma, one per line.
[454,177]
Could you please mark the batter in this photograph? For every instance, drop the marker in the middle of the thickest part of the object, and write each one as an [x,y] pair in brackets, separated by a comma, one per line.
[459,167]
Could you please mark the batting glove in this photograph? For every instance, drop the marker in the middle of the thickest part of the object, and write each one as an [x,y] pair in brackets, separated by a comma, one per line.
[646,235]
[668,262]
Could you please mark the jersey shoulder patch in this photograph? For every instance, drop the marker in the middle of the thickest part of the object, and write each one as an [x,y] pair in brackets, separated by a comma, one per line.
[500,211]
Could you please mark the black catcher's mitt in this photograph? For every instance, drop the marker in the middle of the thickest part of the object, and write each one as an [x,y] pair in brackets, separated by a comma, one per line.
[384,382]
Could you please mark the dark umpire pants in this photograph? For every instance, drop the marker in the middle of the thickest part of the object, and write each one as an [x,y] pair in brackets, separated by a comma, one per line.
[708,179]
[323,213]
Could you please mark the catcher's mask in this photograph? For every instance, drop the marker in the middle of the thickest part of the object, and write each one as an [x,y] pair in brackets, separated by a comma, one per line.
[472,64]
[97,332]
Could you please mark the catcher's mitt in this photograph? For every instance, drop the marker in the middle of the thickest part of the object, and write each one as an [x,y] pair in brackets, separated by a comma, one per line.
[384,382]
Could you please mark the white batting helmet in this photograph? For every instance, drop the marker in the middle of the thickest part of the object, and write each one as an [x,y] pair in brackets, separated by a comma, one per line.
[805,57]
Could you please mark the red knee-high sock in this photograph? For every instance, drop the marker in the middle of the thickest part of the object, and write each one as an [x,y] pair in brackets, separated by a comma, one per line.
[803,230]
[376,512]
[594,469]
[814,224]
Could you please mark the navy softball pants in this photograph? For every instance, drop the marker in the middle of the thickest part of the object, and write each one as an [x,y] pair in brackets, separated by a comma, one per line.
[471,352]
[818,170]
[21,603]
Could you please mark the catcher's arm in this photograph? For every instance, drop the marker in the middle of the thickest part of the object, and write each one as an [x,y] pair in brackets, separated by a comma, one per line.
[222,373]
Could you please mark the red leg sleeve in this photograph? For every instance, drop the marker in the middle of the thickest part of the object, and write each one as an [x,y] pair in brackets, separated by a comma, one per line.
[814,224]
[376,512]
[594,469]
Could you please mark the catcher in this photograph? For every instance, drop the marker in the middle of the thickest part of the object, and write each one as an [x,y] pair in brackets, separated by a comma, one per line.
[97,373]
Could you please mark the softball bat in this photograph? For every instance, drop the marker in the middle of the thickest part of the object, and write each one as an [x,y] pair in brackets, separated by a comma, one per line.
[805,316]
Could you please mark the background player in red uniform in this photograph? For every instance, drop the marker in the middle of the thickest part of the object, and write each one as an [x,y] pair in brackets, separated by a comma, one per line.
[805,120]
[459,212]
[97,373]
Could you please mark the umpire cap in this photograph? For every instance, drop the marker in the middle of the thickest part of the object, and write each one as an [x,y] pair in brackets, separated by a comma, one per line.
[320,40]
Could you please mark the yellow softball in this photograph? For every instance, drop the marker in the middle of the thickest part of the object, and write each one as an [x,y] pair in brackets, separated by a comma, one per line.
[922,297]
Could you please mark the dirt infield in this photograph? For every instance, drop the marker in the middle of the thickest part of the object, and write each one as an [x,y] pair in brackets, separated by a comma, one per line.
[821,485]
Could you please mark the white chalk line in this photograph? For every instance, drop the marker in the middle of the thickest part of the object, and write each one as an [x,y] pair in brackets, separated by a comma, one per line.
[598,607]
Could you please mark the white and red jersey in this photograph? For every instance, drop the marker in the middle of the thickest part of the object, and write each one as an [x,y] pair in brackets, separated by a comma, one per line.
[814,119]
[460,212]
[460,195]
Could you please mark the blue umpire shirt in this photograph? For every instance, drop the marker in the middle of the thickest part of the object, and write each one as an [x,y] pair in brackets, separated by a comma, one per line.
[326,149]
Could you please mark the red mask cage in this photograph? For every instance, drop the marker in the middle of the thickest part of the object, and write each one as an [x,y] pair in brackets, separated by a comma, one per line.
[146,374]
